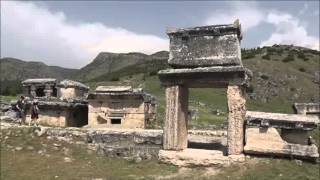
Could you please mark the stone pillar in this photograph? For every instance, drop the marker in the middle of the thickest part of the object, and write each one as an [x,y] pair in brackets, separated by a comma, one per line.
[33,91]
[237,112]
[175,133]
[48,90]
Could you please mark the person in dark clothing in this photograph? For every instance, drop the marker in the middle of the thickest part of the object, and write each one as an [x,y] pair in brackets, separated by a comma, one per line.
[21,105]
[34,113]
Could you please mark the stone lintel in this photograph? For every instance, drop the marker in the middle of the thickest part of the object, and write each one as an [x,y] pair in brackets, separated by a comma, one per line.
[218,76]
[39,82]
[283,121]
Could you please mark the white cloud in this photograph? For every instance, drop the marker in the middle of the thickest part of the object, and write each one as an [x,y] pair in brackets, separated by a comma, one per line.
[289,31]
[34,33]
[248,14]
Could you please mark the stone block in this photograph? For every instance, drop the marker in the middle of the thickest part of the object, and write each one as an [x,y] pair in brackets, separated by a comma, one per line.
[199,157]
[216,45]
[267,141]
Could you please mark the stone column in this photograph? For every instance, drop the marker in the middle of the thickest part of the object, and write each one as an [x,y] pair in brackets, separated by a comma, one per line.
[48,90]
[175,133]
[237,112]
[33,91]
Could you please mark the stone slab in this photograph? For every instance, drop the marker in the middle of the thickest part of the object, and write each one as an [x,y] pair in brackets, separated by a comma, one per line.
[114,89]
[205,76]
[267,141]
[67,83]
[39,81]
[199,157]
[280,120]
[307,108]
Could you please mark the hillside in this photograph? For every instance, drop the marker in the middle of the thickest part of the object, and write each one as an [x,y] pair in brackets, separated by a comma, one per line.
[106,63]
[283,75]
[13,71]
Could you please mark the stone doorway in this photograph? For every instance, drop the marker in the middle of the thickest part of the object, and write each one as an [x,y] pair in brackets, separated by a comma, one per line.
[176,123]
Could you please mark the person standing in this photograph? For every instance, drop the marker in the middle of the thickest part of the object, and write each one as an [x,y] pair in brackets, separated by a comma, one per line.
[21,106]
[34,113]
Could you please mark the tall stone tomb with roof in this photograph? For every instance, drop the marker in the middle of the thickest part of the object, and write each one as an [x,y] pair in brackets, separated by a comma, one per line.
[204,57]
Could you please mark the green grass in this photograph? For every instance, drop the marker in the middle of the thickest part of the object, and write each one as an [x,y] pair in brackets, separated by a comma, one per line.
[7,99]
[28,164]
[85,164]
[275,169]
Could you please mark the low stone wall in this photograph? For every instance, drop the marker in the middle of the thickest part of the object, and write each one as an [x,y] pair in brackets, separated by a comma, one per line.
[136,143]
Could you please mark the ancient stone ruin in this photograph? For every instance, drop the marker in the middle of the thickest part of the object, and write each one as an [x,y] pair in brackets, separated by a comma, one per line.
[280,134]
[200,57]
[204,57]
[307,108]
[120,106]
[61,104]
[36,88]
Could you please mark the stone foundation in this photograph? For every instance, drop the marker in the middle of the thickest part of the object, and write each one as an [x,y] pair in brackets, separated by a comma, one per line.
[199,157]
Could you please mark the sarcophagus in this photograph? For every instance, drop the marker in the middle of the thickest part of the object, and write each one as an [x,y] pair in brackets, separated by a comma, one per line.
[217,45]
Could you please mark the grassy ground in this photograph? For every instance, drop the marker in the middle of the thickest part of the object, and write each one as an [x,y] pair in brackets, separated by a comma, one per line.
[42,158]
[8,98]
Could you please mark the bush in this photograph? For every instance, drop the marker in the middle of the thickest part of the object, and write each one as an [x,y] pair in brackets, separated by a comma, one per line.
[266,57]
[115,79]
[10,88]
[301,69]
[153,73]
[289,58]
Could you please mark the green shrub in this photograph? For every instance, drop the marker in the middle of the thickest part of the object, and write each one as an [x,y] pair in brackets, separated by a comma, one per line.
[266,57]
[115,79]
[289,58]
[301,69]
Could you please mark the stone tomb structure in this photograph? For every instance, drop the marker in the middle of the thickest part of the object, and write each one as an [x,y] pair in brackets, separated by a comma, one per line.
[307,108]
[61,104]
[280,134]
[42,87]
[203,57]
[68,89]
[120,107]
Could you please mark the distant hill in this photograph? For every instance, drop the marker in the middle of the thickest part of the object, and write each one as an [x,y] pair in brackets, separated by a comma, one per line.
[106,63]
[13,71]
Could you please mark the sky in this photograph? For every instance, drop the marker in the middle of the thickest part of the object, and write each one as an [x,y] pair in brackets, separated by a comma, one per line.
[71,33]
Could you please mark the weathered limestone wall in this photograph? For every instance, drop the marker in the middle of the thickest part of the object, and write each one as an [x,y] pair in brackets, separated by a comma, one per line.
[52,117]
[176,123]
[62,117]
[130,110]
[142,143]
[236,117]
[70,92]
[267,141]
